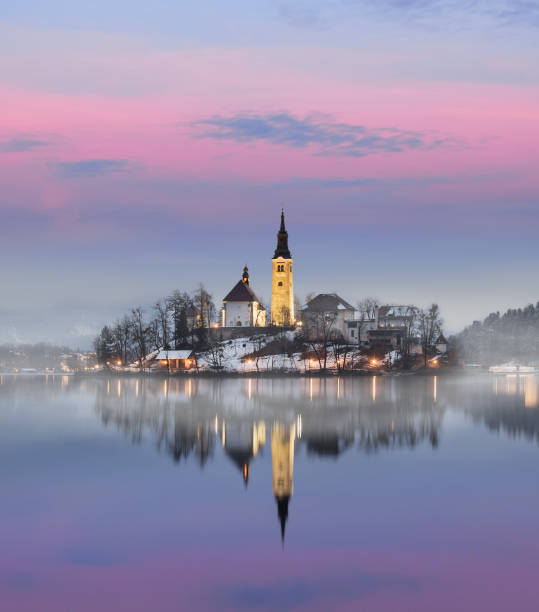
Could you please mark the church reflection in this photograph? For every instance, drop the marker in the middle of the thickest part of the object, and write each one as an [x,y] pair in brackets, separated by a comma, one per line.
[197,419]
[189,419]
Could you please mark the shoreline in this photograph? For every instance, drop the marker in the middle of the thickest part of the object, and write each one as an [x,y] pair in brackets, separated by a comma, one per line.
[282,374]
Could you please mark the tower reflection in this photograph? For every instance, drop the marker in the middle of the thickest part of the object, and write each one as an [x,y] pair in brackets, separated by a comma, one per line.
[282,468]
[190,419]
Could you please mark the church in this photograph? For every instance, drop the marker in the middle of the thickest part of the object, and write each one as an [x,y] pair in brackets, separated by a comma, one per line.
[241,306]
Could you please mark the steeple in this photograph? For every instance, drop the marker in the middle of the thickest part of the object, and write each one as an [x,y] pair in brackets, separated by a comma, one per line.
[282,511]
[282,468]
[245,277]
[282,249]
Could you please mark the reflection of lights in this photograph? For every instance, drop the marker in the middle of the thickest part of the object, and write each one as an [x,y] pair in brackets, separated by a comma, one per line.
[119,388]
[299,425]
[530,392]
[119,362]
[311,389]
[374,388]
[435,390]
[216,425]
[137,388]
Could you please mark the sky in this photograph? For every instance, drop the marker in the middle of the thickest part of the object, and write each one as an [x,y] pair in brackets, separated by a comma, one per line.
[147,147]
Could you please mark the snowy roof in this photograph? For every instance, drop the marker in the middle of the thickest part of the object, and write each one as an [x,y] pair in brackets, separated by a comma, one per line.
[241,292]
[163,354]
[324,302]
[395,311]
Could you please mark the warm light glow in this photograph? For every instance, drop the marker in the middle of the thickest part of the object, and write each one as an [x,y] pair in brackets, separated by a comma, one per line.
[118,362]
[374,362]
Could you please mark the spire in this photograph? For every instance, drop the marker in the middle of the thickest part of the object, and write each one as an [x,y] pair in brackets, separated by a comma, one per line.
[282,249]
[245,277]
[282,511]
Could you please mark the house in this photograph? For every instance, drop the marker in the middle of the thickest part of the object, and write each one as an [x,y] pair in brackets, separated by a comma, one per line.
[393,323]
[241,306]
[326,316]
[172,360]
[357,330]
[441,344]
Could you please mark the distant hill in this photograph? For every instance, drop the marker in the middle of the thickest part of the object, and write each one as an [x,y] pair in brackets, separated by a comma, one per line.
[513,335]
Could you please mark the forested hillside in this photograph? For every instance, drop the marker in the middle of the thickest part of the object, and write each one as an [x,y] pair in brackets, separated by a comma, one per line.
[513,335]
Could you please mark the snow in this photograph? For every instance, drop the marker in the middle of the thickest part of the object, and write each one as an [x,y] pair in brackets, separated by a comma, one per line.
[164,354]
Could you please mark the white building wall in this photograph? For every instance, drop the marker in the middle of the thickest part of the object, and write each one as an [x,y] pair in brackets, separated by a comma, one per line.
[235,312]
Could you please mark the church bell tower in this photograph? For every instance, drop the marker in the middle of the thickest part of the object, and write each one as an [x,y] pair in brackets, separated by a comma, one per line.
[282,286]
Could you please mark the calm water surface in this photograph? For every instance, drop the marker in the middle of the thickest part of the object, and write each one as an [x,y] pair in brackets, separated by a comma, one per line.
[415,494]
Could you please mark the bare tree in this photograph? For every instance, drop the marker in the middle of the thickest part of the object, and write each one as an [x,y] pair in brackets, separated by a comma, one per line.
[215,355]
[140,335]
[408,336]
[122,335]
[318,333]
[204,302]
[161,325]
[366,308]
[430,324]
[341,350]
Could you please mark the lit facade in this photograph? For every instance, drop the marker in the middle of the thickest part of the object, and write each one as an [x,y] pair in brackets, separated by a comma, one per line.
[282,284]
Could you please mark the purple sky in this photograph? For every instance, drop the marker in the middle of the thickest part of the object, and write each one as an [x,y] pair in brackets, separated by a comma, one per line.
[145,148]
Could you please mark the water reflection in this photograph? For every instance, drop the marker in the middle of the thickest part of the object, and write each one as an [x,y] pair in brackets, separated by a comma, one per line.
[190,418]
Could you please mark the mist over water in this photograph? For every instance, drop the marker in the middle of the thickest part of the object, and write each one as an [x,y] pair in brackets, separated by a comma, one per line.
[384,493]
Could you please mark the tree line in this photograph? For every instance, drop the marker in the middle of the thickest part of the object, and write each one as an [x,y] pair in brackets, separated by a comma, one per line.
[513,335]
[178,321]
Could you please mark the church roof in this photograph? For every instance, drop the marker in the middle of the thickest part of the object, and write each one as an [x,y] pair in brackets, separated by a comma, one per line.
[241,292]
[282,249]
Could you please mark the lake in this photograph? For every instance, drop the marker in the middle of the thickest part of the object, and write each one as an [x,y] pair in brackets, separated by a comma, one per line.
[373,493]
